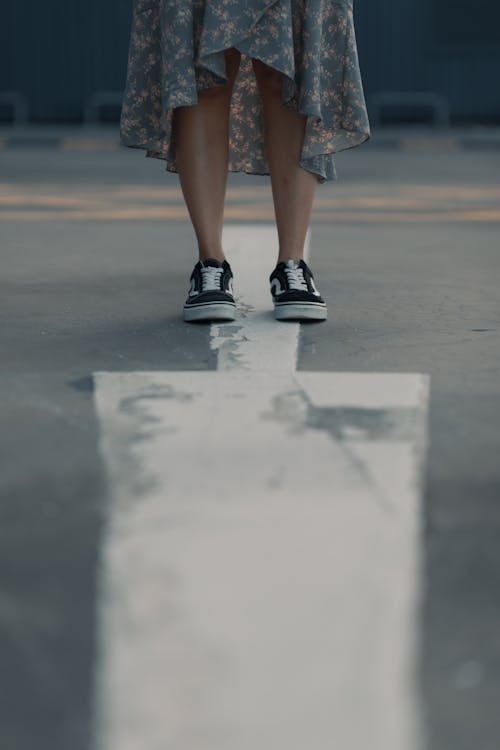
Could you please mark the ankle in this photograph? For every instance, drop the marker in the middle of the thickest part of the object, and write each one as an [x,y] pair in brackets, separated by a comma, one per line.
[284,255]
[212,255]
[289,256]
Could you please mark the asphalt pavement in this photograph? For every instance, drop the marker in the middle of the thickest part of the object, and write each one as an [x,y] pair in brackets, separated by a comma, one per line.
[96,249]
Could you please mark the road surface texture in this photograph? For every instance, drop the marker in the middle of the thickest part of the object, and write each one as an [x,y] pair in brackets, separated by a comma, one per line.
[96,249]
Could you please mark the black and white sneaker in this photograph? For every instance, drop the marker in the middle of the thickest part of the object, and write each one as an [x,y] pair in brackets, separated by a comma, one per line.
[294,293]
[211,294]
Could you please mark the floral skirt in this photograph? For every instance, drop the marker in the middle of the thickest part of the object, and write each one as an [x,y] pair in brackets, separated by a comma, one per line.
[177,49]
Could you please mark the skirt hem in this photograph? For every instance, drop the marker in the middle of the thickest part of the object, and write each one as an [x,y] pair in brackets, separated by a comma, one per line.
[323,176]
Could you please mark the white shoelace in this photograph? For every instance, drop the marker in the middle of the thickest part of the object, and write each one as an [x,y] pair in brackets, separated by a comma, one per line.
[210,278]
[295,276]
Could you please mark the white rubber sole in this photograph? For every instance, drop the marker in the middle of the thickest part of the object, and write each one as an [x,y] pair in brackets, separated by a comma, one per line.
[210,311]
[300,311]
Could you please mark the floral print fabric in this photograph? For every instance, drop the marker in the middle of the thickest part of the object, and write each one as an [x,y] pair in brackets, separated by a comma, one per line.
[177,49]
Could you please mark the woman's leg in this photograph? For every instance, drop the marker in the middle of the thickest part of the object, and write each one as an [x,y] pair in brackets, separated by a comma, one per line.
[202,152]
[293,187]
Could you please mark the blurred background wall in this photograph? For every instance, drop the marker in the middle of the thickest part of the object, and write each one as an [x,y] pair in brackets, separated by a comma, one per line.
[56,56]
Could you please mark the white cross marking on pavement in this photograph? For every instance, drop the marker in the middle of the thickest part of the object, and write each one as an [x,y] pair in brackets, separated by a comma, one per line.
[260,563]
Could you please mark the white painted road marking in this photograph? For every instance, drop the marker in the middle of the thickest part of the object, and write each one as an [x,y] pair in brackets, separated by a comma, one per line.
[254,341]
[260,565]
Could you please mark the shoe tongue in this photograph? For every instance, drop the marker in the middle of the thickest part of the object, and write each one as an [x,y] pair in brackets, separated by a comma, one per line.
[211,262]
[291,264]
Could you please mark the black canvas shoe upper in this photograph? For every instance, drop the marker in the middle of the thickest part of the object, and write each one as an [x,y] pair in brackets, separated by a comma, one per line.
[211,281]
[293,281]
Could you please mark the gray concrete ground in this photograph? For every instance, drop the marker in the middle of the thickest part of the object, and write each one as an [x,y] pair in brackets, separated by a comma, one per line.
[95,252]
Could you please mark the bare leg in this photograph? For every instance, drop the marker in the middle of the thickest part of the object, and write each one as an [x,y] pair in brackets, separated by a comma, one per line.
[292,186]
[202,152]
